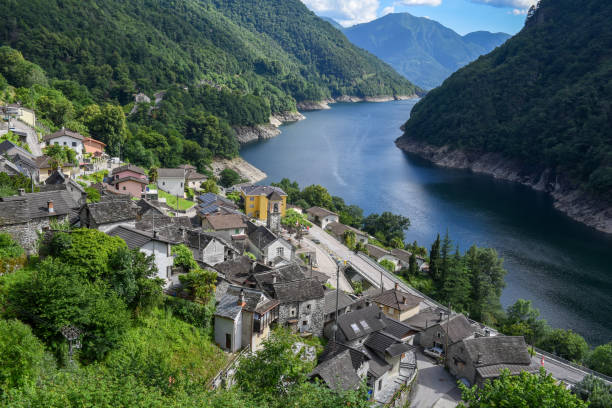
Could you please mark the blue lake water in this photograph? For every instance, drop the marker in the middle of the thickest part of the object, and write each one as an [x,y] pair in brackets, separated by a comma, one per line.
[561,265]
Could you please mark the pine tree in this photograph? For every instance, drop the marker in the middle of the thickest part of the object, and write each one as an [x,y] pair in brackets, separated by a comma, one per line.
[445,259]
[434,260]
[413,267]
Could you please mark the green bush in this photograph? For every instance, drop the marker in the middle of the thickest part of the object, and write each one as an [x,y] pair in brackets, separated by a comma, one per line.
[21,354]
[196,314]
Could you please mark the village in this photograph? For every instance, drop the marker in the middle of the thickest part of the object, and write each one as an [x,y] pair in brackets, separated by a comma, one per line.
[277,265]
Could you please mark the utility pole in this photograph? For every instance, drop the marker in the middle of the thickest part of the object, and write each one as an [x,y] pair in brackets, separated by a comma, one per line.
[71,334]
[337,298]
[446,334]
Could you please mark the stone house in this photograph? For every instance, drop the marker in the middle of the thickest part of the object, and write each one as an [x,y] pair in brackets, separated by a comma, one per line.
[10,168]
[448,331]
[344,304]
[302,305]
[321,216]
[172,181]
[398,304]
[130,180]
[404,258]
[67,138]
[483,358]
[150,243]
[192,177]
[267,246]
[337,230]
[58,181]
[379,254]
[242,319]
[109,213]
[230,226]
[25,215]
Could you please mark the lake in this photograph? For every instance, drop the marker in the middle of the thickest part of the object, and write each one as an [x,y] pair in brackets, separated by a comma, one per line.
[559,264]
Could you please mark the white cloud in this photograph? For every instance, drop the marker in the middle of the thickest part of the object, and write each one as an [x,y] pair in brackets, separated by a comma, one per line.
[433,3]
[346,12]
[518,12]
[387,10]
[517,4]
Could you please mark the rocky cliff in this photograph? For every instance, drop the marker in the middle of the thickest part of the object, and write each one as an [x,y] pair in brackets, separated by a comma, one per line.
[247,134]
[324,104]
[568,198]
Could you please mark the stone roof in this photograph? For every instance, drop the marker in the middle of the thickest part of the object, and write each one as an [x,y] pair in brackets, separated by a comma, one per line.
[136,238]
[129,178]
[148,223]
[260,236]
[493,371]
[255,301]
[487,351]
[361,322]
[147,208]
[10,148]
[344,300]
[404,255]
[107,212]
[44,162]
[20,209]
[397,299]
[298,291]
[376,251]
[187,167]
[254,190]
[129,167]
[457,328]
[338,229]
[386,344]
[170,173]
[425,318]
[240,269]
[397,329]
[281,274]
[320,212]
[338,372]
[63,132]
[275,196]
[194,175]
[225,221]
[332,348]
[8,167]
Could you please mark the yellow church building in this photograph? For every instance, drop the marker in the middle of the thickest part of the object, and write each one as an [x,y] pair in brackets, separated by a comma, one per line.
[261,200]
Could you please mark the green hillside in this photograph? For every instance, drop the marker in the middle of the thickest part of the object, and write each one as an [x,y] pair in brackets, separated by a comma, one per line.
[276,49]
[423,50]
[544,97]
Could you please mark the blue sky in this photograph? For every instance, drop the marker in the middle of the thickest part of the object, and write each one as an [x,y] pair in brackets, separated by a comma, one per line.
[463,16]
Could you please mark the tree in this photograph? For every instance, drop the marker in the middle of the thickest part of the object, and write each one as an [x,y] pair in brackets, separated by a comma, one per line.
[316,195]
[295,221]
[524,320]
[352,215]
[445,258]
[565,343]
[486,273]
[601,359]
[413,267]
[183,257]
[386,225]
[107,125]
[209,186]
[234,196]
[21,354]
[388,265]
[396,242]
[229,177]
[595,391]
[291,188]
[12,256]
[524,390]
[350,238]
[61,155]
[434,260]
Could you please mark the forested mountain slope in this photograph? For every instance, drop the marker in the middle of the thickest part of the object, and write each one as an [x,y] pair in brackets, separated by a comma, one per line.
[423,50]
[543,99]
[276,48]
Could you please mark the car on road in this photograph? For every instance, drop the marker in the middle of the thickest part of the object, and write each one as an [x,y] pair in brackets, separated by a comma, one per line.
[316,241]
[435,352]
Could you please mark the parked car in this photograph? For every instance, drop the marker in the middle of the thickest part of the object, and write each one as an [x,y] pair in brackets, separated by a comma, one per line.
[316,241]
[434,352]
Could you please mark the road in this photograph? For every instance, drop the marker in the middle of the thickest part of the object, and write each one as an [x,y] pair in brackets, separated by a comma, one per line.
[435,386]
[375,272]
[31,138]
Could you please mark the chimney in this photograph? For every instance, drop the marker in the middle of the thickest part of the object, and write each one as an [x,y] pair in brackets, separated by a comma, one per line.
[441,316]
[396,286]
[253,266]
[487,333]
[22,191]
[479,360]
[405,299]
[274,279]
[50,206]
[241,301]
[154,234]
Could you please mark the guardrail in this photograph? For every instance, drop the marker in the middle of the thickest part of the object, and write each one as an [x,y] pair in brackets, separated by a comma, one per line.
[227,372]
[573,365]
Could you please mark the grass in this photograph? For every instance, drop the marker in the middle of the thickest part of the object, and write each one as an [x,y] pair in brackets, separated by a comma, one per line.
[171,200]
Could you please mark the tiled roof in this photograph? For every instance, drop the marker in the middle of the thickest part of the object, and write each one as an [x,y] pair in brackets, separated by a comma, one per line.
[129,167]
[225,221]
[299,291]
[106,212]
[344,300]
[397,299]
[251,190]
[23,208]
[63,132]
[320,212]
[337,372]
[352,324]
[129,178]
[135,238]
[397,329]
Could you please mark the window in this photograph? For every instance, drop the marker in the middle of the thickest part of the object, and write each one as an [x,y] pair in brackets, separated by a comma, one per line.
[49,172]
[168,271]
[237,231]
[252,206]
[280,251]
[292,313]
[123,188]
[355,328]
[65,143]
[73,144]
[181,184]
[251,198]
[308,307]
[379,384]
[163,183]
[364,324]
[56,143]
[439,335]
[304,323]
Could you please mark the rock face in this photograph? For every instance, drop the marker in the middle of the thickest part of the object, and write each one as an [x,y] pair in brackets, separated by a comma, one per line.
[324,104]
[286,117]
[568,198]
[246,134]
[240,166]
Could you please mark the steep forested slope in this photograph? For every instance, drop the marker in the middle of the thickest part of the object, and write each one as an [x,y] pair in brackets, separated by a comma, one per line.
[543,99]
[423,50]
[276,49]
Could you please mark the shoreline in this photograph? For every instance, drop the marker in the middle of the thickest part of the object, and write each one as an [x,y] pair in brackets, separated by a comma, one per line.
[577,204]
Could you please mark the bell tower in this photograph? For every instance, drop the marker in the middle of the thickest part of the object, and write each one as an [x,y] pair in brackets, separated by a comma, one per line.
[275,202]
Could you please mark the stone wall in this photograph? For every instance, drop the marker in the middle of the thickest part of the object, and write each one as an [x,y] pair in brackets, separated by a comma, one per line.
[26,235]
[312,312]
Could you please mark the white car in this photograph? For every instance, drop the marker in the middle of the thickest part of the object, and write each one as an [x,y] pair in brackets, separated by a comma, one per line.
[434,352]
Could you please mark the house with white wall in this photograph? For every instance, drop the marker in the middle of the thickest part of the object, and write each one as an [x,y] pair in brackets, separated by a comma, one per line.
[150,243]
[67,138]
[267,246]
[321,216]
[172,181]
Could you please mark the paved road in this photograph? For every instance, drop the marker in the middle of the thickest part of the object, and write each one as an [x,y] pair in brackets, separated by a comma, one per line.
[435,386]
[31,138]
[327,265]
[373,271]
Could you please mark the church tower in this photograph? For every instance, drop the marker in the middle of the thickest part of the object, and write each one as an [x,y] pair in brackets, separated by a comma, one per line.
[274,211]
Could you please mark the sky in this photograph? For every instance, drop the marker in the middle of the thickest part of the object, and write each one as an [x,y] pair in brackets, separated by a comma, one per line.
[463,16]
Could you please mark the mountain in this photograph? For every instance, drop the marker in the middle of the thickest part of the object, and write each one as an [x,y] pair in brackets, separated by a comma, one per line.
[423,50]
[333,22]
[277,49]
[539,107]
